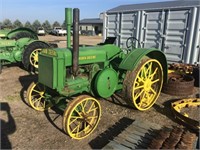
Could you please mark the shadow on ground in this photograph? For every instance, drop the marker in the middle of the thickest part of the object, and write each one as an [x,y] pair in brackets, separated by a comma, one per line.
[7,127]
[104,138]
[25,82]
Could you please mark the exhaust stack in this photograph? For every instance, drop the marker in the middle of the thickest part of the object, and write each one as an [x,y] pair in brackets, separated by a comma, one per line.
[75,53]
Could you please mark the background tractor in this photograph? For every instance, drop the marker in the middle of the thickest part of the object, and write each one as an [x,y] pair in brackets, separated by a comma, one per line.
[20,45]
[72,78]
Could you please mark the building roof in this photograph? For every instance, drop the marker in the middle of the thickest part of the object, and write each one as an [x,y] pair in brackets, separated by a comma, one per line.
[91,21]
[156,5]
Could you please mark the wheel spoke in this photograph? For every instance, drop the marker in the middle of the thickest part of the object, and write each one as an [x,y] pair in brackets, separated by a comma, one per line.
[85,125]
[85,103]
[33,53]
[37,106]
[140,79]
[77,112]
[149,69]
[36,100]
[76,127]
[75,118]
[90,107]
[154,92]
[89,123]
[152,75]
[138,87]
[34,63]
[43,103]
[142,100]
[83,108]
[136,97]
[143,73]
[155,81]
[36,91]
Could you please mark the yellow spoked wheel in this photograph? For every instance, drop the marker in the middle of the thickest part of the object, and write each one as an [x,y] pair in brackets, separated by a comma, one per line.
[36,97]
[81,116]
[142,86]
[34,58]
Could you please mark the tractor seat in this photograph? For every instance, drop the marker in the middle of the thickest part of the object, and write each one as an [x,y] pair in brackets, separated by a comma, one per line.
[108,40]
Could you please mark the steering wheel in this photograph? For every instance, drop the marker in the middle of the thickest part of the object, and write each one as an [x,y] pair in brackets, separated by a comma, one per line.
[130,43]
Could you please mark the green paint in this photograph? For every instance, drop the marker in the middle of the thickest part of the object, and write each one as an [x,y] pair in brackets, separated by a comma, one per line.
[133,58]
[106,82]
[68,19]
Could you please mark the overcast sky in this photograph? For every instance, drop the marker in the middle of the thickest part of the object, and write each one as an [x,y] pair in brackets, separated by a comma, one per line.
[53,10]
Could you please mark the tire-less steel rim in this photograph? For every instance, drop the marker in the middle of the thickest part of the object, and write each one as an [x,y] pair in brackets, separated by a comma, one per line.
[81,117]
[36,97]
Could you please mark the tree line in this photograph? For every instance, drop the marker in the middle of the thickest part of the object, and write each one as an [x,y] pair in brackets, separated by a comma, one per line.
[34,26]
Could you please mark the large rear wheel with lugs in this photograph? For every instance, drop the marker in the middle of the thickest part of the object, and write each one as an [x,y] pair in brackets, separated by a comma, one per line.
[142,86]
[30,55]
[81,116]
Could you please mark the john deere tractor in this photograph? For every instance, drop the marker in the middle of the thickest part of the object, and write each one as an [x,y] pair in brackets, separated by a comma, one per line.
[20,45]
[72,78]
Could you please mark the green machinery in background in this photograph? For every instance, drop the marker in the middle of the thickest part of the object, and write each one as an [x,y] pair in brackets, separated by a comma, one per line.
[72,78]
[20,45]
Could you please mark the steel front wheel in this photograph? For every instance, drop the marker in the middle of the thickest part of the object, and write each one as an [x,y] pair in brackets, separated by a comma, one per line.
[143,85]
[81,116]
[36,97]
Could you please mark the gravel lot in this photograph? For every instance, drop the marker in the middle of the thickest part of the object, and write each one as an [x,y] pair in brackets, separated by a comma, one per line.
[24,128]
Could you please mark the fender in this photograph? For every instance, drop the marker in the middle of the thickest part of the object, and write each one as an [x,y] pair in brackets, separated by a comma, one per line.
[133,58]
[16,31]
[25,42]
[4,33]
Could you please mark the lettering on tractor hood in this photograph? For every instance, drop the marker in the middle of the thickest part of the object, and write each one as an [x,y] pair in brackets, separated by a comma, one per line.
[50,52]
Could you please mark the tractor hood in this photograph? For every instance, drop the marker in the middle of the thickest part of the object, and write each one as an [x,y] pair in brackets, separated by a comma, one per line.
[86,54]
[54,61]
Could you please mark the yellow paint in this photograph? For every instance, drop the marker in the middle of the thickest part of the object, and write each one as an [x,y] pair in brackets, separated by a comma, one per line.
[147,84]
[49,52]
[37,101]
[87,57]
[52,52]
[81,117]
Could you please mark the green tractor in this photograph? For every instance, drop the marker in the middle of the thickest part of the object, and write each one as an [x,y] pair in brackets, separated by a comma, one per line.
[72,78]
[17,33]
[20,45]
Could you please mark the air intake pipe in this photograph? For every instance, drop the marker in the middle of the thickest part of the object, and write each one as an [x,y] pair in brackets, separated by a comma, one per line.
[68,20]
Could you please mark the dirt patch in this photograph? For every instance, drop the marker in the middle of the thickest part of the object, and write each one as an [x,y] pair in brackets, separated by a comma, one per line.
[24,128]
[61,40]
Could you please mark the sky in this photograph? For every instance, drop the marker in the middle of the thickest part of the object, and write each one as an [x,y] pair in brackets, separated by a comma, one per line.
[54,10]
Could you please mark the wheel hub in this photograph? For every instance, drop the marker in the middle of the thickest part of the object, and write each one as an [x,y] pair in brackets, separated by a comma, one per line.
[147,85]
[36,57]
[85,117]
